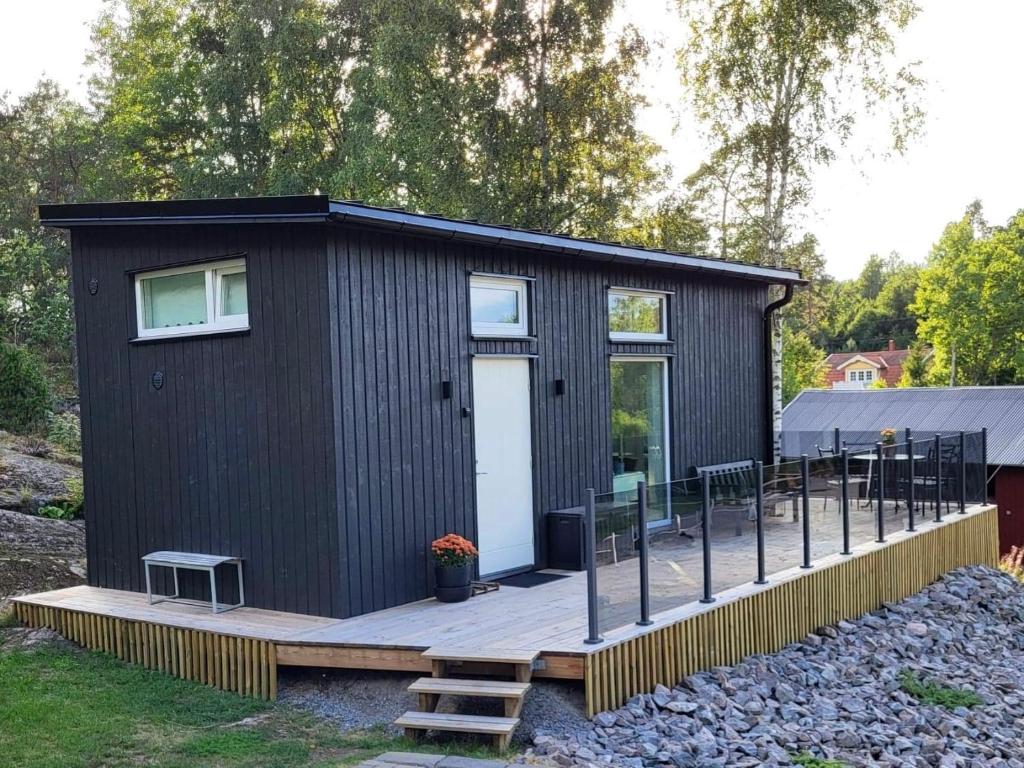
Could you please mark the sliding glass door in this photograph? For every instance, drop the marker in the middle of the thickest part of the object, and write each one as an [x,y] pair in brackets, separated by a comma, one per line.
[640,439]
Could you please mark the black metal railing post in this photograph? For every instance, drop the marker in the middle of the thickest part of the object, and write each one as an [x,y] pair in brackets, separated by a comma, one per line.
[938,478]
[642,534]
[908,434]
[910,483]
[705,531]
[590,524]
[759,511]
[835,440]
[962,496]
[845,459]
[880,460]
[984,466]
[805,478]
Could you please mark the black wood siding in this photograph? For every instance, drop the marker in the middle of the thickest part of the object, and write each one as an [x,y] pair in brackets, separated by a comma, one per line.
[405,455]
[235,453]
[318,447]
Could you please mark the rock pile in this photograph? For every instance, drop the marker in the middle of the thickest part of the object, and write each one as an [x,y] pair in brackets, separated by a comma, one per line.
[838,694]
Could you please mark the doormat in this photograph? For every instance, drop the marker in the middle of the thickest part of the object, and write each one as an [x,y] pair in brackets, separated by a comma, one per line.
[532,579]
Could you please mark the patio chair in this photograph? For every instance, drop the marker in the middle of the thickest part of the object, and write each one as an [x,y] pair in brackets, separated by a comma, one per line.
[933,489]
[861,480]
[819,484]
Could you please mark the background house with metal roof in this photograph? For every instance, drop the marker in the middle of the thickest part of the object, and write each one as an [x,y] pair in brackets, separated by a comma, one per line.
[811,418]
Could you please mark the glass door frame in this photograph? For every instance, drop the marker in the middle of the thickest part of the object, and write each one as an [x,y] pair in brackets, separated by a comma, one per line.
[666,415]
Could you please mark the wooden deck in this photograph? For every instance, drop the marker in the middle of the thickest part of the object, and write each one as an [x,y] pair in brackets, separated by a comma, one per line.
[241,649]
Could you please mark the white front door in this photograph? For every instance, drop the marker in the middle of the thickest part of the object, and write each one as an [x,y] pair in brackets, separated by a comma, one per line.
[504,465]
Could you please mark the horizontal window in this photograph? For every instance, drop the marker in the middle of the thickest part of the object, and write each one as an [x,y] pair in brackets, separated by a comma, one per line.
[498,306]
[203,298]
[637,315]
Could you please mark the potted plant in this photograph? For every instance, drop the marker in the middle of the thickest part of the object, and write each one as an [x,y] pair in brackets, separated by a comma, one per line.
[453,567]
[888,440]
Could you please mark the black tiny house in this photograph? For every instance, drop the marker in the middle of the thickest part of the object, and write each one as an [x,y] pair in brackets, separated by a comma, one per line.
[322,388]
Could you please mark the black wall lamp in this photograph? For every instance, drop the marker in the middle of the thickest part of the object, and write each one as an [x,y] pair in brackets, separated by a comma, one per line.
[559,386]
[446,390]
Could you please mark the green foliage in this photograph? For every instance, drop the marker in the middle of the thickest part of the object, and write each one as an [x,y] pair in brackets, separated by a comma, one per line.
[807,760]
[506,112]
[66,431]
[55,513]
[933,693]
[778,87]
[70,508]
[969,302]
[26,499]
[24,394]
[916,366]
[803,364]
[77,709]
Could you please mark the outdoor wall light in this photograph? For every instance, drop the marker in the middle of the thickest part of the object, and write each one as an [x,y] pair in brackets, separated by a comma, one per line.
[559,386]
[446,390]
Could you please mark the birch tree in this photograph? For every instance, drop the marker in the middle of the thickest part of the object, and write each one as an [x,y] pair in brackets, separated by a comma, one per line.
[778,86]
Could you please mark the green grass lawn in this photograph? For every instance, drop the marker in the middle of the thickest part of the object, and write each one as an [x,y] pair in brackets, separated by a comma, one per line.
[68,709]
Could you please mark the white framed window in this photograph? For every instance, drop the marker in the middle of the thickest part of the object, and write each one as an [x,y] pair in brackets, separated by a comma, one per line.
[498,306]
[196,299]
[637,315]
[866,376]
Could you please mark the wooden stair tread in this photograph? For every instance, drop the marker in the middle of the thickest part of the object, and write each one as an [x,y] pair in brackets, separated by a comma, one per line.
[493,688]
[493,655]
[439,721]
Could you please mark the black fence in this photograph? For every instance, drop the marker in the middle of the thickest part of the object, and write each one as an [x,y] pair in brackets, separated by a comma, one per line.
[656,547]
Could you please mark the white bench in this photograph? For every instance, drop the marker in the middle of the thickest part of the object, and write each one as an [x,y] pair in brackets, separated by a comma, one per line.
[192,562]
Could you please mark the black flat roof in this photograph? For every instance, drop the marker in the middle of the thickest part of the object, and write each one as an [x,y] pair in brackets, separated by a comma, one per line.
[320,208]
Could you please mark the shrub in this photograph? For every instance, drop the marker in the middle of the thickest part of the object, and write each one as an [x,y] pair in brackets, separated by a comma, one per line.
[1013,563]
[26,499]
[807,760]
[931,692]
[24,394]
[74,505]
[55,513]
[66,432]
[34,446]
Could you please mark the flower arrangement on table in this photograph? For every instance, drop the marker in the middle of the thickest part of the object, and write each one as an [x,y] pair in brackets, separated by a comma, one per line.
[888,435]
[452,551]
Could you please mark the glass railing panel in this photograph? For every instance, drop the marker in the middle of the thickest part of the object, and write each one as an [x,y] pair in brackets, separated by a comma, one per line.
[616,517]
[676,559]
[783,490]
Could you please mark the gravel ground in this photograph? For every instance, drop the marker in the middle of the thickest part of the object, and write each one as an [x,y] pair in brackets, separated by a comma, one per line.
[842,694]
[356,699]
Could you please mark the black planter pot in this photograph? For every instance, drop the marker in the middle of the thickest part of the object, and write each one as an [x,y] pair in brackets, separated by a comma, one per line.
[452,582]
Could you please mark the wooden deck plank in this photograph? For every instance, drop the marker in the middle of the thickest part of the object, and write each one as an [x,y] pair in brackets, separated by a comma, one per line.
[499,689]
[496,726]
[486,654]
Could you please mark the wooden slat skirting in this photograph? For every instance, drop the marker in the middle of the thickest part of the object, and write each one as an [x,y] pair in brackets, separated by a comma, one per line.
[777,615]
[246,666]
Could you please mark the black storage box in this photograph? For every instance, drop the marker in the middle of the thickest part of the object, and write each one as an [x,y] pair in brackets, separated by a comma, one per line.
[565,539]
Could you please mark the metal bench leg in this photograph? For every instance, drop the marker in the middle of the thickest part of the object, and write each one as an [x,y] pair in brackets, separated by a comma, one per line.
[149,586]
[213,589]
[241,591]
[177,591]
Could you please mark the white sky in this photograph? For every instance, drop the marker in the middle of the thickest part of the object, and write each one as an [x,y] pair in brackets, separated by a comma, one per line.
[863,204]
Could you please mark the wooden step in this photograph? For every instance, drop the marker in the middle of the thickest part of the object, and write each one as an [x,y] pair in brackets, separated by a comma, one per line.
[491,655]
[498,689]
[500,728]
[431,689]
